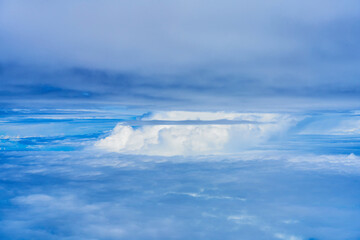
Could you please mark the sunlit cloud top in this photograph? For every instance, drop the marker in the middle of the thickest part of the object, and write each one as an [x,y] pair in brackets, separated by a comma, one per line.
[183,138]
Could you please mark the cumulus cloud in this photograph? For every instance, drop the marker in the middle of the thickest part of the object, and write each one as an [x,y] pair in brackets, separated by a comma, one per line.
[194,139]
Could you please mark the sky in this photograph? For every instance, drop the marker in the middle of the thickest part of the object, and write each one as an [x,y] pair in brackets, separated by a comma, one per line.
[186,55]
[179,119]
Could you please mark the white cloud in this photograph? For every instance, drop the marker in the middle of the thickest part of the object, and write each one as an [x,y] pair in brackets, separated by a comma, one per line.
[334,124]
[339,162]
[34,199]
[166,139]
[184,139]
[286,237]
[206,196]
[243,219]
[348,126]
[211,116]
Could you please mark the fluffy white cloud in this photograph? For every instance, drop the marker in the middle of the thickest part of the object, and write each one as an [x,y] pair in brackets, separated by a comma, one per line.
[195,139]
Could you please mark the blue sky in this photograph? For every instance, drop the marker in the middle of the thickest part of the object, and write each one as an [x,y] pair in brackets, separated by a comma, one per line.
[179,119]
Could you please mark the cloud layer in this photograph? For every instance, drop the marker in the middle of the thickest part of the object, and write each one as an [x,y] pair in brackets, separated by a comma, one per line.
[181,138]
[186,55]
[160,36]
[113,196]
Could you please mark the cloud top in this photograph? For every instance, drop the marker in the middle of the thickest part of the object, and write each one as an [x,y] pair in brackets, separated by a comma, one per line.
[195,139]
[210,116]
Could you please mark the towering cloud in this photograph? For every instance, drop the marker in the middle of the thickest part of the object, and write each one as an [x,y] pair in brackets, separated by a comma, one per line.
[193,133]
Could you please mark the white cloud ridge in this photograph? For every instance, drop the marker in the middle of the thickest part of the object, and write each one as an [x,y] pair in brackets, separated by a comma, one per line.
[191,139]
